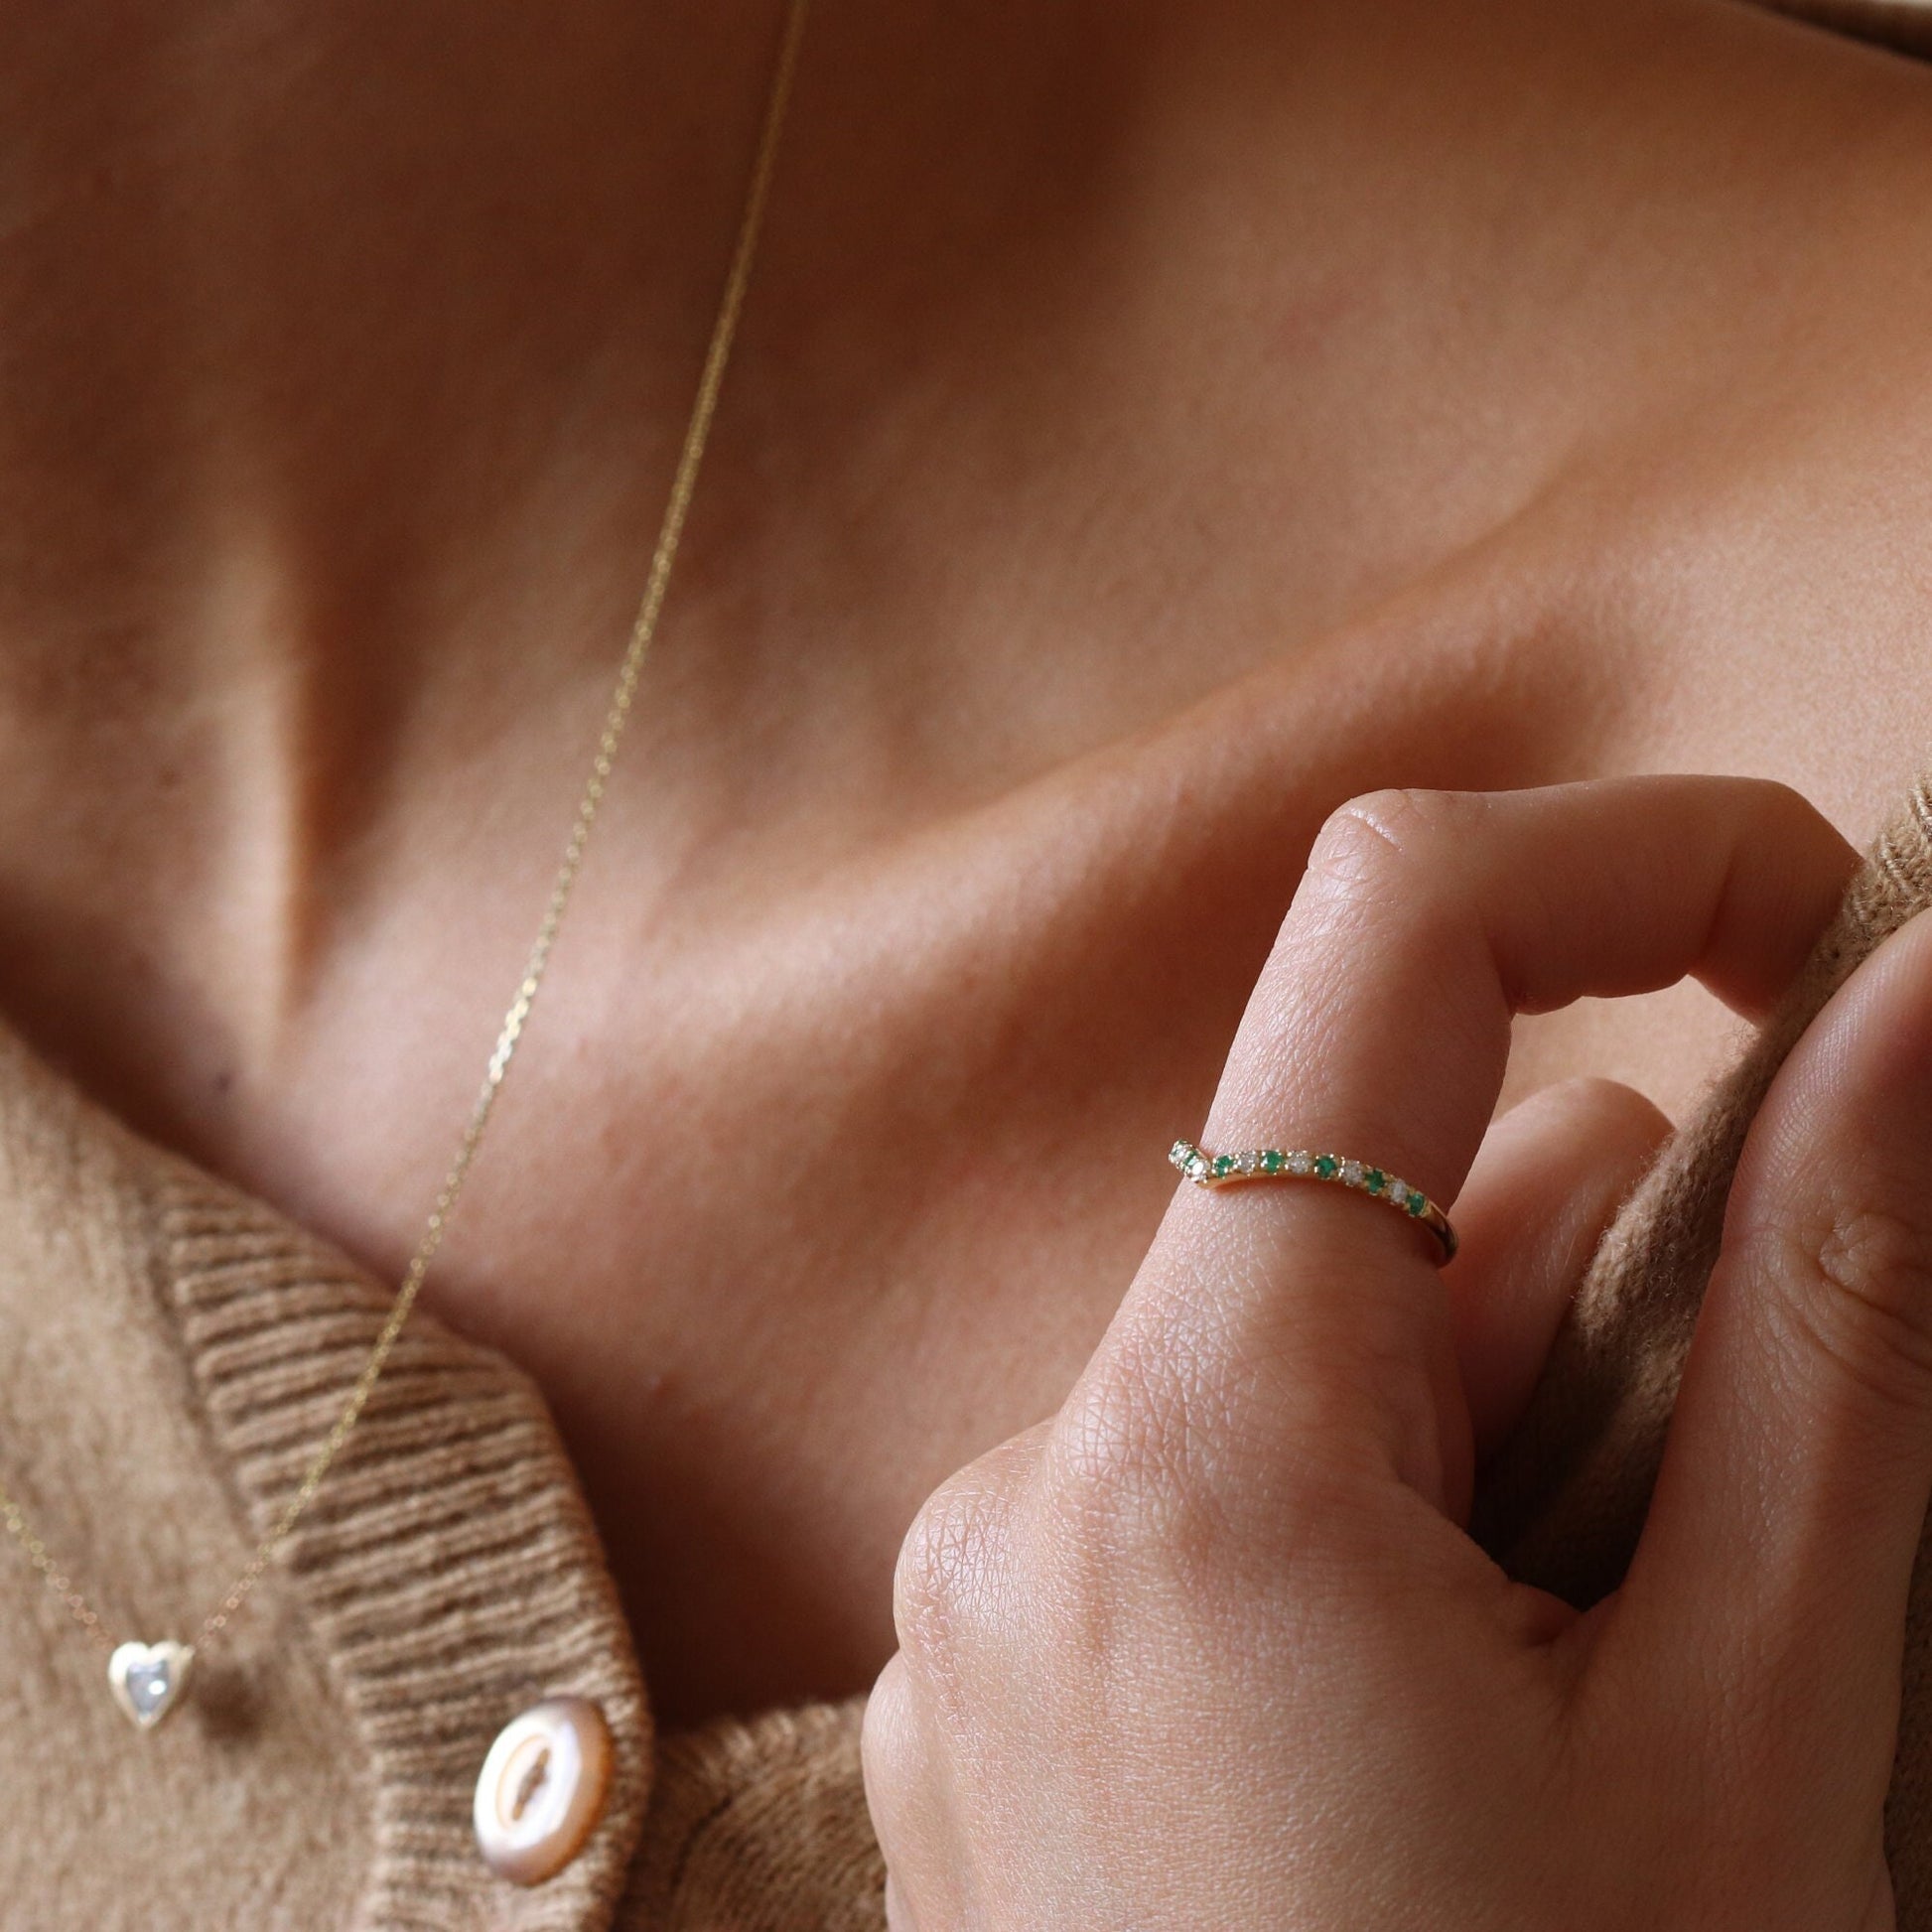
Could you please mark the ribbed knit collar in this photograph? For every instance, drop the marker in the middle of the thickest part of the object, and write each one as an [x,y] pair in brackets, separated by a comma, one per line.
[447,1565]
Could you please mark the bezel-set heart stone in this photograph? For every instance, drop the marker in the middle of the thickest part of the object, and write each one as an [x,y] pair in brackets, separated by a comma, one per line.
[148,1679]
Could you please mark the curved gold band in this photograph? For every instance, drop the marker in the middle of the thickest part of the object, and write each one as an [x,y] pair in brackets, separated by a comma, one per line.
[1207,1170]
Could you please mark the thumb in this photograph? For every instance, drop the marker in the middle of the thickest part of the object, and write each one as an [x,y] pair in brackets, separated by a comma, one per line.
[1799,1463]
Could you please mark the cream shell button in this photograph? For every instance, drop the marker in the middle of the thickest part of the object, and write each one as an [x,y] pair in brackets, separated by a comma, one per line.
[542,1788]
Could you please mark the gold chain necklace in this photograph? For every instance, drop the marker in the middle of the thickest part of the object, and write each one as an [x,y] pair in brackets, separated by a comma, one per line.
[147,1678]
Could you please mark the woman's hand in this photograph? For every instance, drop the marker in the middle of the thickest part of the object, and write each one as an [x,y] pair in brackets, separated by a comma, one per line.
[1210,1647]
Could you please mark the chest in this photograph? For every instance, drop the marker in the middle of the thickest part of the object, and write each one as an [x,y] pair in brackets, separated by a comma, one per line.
[872,1176]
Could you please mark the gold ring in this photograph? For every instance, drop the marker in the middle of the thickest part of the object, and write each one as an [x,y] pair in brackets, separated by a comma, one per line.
[1207,1170]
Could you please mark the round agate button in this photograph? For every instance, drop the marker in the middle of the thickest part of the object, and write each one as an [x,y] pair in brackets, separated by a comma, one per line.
[542,1789]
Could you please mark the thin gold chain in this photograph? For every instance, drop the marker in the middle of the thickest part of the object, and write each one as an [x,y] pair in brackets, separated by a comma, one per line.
[644,629]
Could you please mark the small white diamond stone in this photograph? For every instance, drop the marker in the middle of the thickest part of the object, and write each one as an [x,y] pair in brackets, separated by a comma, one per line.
[148,1685]
[1399,1192]
[1299,1162]
[1352,1172]
[1247,1163]
[147,1679]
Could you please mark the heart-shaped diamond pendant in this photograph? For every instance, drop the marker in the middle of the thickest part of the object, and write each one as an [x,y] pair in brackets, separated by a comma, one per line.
[147,1679]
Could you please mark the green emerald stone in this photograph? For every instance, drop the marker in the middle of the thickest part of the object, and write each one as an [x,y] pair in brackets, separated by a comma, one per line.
[1416,1202]
[1327,1165]
[1374,1179]
[1273,1161]
[1224,1163]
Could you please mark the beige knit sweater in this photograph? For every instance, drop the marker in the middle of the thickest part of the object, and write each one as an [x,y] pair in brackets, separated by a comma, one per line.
[171,1352]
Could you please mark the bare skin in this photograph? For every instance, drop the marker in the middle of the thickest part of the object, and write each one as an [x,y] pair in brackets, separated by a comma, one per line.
[1152,426]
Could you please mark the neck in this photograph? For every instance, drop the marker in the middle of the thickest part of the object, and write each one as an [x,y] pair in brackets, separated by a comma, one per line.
[348,349]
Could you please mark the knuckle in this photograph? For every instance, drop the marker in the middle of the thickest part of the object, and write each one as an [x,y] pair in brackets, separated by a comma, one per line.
[1128,1456]
[1603,1120]
[1607,1105]
[1383,840]
[1861,1295]
[1171,1473]
[1109,1480]
[1194,1431]
[946,1580]
[887,1734]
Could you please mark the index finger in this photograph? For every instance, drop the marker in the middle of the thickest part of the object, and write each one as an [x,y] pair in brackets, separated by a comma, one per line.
[1380,1030]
